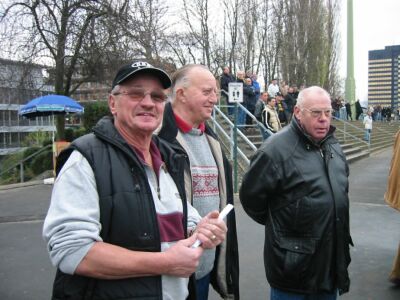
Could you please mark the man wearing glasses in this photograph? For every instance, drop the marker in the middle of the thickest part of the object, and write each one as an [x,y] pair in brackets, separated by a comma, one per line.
[118,225]
[297,186]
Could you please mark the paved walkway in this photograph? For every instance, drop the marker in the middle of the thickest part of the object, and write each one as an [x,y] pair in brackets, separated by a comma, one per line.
[26,273]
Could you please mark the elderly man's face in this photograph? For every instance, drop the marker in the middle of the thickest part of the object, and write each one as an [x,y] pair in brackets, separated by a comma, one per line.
[134,113]
[200,96]
[315,115]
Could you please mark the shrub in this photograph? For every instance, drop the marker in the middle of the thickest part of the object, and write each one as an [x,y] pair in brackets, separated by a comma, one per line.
[94,111]
[42,162]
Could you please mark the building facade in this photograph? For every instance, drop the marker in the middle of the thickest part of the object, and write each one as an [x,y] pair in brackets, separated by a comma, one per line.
[383,77]
[19,83]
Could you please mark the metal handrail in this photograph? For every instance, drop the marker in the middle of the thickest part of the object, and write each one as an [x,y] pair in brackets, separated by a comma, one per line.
[368,144]
[21,162]
[248,113]
[229,138]
[347,123]
[345,133]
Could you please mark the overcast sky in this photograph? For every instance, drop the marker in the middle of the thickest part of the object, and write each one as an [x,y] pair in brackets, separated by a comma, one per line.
[376,25]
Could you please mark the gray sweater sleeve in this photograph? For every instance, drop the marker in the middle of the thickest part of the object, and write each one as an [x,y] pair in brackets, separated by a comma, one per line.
[72,223]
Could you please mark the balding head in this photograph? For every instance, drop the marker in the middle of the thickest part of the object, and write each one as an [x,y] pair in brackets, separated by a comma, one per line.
[194,93]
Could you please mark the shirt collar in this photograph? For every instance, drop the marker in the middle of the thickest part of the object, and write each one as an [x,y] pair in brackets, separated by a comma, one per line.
[155,157]
[185,127]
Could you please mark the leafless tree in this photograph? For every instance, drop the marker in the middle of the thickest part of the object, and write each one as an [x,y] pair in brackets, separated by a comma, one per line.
[308,53]
[232,10]
[295,40]
[196,18]
[58,32]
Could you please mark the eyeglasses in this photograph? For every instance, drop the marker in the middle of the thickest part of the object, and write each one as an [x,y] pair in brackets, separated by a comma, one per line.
[138,94]
[316,113]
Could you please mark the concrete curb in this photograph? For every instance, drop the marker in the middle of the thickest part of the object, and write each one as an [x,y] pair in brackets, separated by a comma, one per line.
[22,184]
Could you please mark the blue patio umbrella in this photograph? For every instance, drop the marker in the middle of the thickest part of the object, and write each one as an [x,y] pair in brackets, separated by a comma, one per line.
[50,105]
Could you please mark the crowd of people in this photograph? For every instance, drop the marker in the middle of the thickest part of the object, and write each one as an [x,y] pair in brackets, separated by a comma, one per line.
[280,98]
[384,113]
[134,211]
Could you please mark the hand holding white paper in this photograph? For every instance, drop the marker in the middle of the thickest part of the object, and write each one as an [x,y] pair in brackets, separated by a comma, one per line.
[227,209]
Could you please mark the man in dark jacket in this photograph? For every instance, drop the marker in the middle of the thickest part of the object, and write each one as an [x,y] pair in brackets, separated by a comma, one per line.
[118,222]
[290,101]
[297,186]
[359,110]
[208,174]
[225,79]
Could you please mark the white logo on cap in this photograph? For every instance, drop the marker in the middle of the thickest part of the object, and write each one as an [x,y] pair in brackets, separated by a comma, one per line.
[141,64]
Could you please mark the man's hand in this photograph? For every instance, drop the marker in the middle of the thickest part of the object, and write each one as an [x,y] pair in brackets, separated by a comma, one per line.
[211,231]
[182,259]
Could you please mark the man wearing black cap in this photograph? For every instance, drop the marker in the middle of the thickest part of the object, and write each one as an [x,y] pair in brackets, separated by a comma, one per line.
[118,222]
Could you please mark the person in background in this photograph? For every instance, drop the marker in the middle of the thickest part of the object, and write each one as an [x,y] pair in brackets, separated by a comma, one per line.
[273,88]
[281,108]
[283,88]
[270,116]
[300,194]
[290,101]
[119,225]
[348,111]
[258,113]
[256,85]
[241,118]
[359,110]
[368,126]
[226,78]
[208,173]
[250,95]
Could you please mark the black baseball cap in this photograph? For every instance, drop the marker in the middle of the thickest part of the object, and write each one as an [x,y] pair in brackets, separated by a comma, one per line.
[141,67]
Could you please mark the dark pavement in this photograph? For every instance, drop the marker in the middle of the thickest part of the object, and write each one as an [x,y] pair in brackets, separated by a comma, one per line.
[26,272]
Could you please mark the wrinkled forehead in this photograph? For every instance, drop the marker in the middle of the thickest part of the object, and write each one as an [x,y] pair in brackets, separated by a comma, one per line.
[317,100]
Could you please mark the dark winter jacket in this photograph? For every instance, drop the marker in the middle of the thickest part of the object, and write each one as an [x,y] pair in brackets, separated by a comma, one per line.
[224,83]
[299,190]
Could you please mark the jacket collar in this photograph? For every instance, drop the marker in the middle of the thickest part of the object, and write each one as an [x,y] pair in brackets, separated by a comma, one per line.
[296,126]
[106,130]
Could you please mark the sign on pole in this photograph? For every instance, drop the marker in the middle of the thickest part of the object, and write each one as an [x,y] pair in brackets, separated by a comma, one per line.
[235,92]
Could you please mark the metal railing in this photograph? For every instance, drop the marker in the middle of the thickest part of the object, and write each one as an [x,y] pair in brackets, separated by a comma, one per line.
[230,134]
[345,132]
[229,137]
[22,161]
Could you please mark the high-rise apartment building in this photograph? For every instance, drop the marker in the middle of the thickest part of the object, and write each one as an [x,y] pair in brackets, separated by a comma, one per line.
[383,76]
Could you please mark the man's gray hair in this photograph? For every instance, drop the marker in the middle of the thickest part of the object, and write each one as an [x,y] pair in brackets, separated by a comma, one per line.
[115,89]
[181,78]
[312,89]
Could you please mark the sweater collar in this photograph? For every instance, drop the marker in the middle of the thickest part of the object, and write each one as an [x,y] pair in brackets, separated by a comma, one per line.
[185,127]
